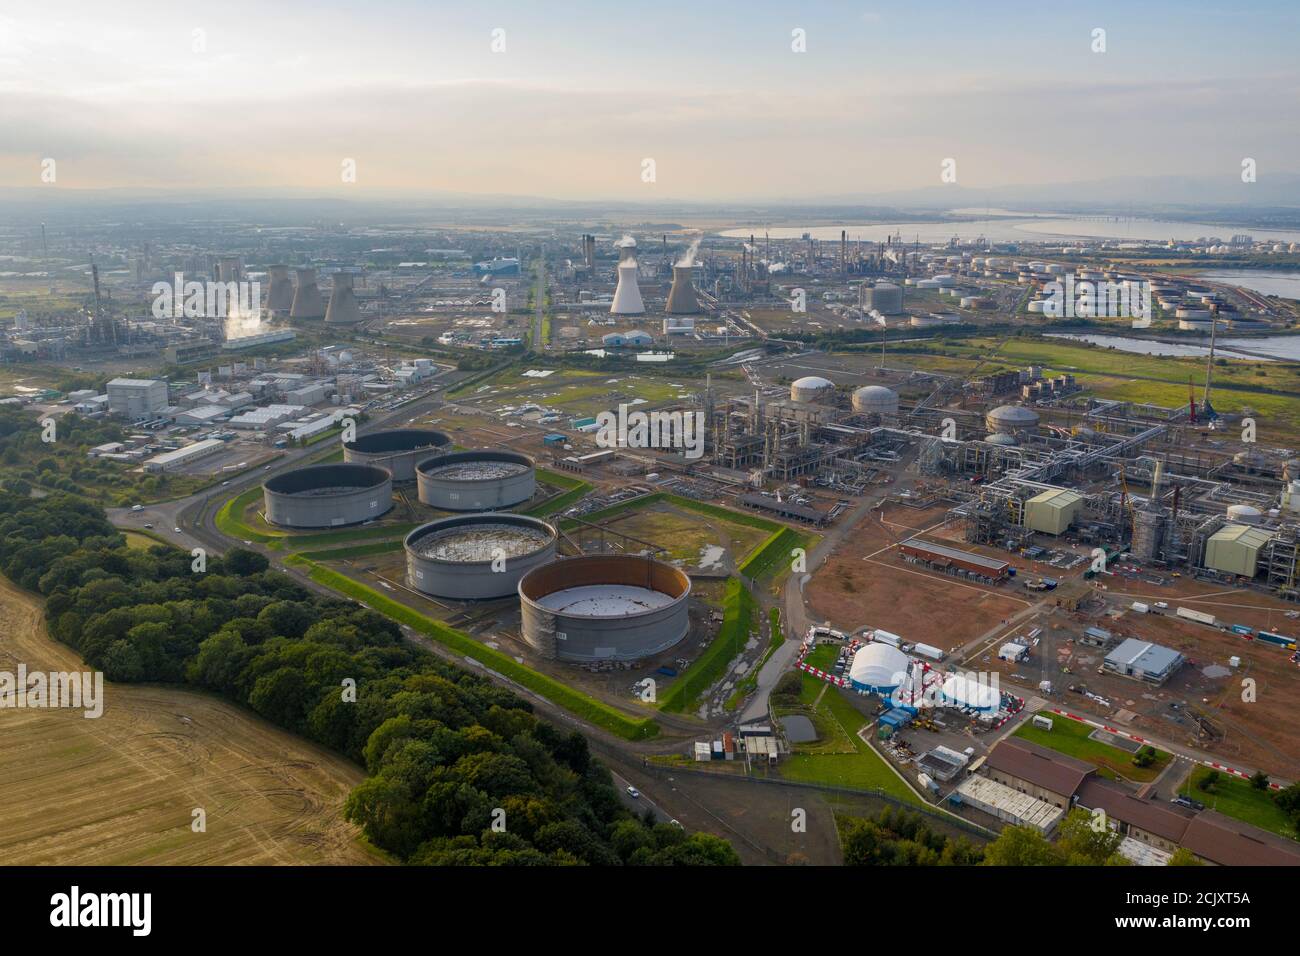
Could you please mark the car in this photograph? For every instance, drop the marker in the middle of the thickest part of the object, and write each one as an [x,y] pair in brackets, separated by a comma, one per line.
[633,792]
[137,507]
[177,530]
[224,483]
[677,824]
[149,526]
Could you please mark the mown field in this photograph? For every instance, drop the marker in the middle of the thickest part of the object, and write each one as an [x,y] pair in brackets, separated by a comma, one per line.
[121,789]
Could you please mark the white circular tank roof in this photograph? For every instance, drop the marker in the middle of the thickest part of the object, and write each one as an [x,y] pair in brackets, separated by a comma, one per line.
[878,665]
[813,381]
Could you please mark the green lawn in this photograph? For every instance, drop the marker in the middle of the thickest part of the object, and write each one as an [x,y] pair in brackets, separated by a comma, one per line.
[823,656]
[1071,737]
[862,768]
[1236,798]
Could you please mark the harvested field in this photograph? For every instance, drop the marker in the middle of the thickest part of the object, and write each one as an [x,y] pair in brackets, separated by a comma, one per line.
[866,583]
[121,789]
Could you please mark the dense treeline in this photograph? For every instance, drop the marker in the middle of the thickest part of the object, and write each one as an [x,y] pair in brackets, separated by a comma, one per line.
[450,756]
[902,838]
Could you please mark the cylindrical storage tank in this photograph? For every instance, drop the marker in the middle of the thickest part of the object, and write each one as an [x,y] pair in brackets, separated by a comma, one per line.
[484,480]
[1245,514]
[604,608]
[327,496]
[812,388]
[875,400]
[477,557]
[1010,419]
[1194,325]
[397,449]
[878,669]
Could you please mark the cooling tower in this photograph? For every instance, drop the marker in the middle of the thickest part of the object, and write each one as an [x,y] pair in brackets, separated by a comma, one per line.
[229,269]
[627,296]
[626,249]
[681,297]
[307,301]
[279,298]
[343,308]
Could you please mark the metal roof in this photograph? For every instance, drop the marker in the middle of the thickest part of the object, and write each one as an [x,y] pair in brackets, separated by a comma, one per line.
[1148,657]
[954,554]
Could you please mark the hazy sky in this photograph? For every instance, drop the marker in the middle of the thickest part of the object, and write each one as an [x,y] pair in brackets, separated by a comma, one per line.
[234,94]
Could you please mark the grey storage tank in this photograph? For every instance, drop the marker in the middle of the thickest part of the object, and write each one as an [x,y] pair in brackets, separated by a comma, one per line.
[476,557]
[604,608]
[327,496]
[483,480]
[397,449]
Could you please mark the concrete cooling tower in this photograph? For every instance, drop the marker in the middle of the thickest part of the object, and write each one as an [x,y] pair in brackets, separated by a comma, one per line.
[627,295]
[279,298]
[626,249]
[307,301]
[681,297]
[343,308]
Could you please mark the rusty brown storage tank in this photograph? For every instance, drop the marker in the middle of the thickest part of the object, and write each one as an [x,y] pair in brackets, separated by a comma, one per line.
[604,608]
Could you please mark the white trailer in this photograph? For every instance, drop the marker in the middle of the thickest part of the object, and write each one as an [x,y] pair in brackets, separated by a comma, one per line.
[1199,616]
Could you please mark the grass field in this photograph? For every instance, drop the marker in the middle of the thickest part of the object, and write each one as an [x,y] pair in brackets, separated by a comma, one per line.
[1071,737]
[1236,798]
[861,767]
[576,702]
[120,789]
[738,608]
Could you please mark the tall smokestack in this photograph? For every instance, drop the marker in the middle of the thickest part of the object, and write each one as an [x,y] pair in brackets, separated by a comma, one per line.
[627,295]
[229,269]
[343,308]
[844,251]
[307,301]
[279,298]
[681,297]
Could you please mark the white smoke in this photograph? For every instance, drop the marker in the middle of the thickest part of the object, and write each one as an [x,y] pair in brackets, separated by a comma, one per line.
[688,257]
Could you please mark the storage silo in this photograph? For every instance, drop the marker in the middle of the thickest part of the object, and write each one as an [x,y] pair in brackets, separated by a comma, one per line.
[327,496]
[812,388]
[604,608]
[484,480]
[875,400]
[884,297]
[477,557]
[1011,419]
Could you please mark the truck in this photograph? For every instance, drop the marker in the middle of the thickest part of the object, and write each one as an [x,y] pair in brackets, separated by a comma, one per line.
[1247,632]
[1199,617]
[1279,639]
[925,650]
[1139,607]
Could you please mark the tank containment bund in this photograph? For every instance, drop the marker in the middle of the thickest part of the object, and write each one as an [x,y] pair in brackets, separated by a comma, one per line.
[343,308]
[477,557]
[604,608]
[307,301]
[279,298]
[327,496]
[484,480]
[397,449]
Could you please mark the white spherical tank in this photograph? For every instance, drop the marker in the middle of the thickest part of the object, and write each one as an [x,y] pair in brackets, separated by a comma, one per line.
[812,388]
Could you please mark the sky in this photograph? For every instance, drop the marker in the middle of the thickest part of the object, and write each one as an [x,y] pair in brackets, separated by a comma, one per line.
[413,97]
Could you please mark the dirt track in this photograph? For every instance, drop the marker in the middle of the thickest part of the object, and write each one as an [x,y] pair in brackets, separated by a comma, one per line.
[121,789]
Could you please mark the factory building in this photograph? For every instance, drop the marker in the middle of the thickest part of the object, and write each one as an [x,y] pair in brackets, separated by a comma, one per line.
[1235,549]
[1143,661]
[136,398]
[171,460]
[1052,512]
[1038,771]
[943,558]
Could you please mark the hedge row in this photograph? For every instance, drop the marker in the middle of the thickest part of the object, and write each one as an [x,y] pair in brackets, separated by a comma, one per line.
[738,607]
[577,703]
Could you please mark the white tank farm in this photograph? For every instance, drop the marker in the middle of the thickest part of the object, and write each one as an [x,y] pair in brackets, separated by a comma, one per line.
[812,388]
[475,557]
[485,480]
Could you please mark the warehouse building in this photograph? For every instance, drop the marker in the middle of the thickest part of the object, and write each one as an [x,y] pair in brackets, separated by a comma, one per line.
[1144,661]
[1009,805]
[1154,823]
[1235,549]
[1053,511]
[950,560]
[171,460]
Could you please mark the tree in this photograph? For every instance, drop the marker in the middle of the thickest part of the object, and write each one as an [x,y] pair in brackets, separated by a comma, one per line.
[1087,840]
[1259,780]
[1209,781]
[1021,846]
[242,562]
[1183,857]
